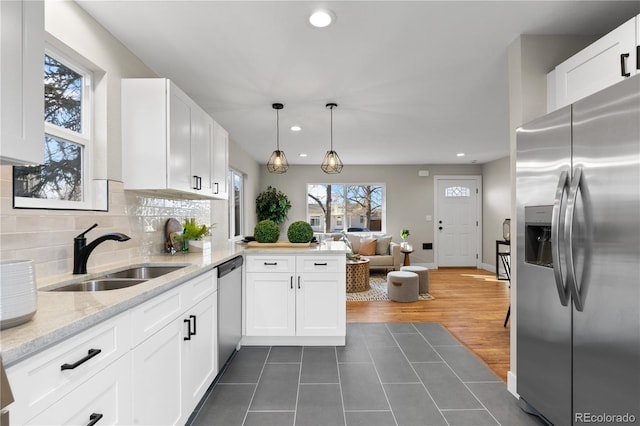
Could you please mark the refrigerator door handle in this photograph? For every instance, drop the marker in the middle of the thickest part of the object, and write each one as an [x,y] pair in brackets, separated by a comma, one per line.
[556,218]
[572,280]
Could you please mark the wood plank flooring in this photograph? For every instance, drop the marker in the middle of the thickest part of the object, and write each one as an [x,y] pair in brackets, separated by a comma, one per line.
[469,302]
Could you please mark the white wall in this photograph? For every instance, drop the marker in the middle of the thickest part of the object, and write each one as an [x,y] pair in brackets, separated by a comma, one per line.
[496,206]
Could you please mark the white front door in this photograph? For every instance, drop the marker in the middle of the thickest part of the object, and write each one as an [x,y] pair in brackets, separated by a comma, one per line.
[457,221]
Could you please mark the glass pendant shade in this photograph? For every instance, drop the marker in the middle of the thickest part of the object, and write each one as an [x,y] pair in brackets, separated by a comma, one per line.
[277,161]
[331,163]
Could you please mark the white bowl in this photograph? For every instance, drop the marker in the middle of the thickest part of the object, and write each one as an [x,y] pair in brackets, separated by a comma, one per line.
[18,294]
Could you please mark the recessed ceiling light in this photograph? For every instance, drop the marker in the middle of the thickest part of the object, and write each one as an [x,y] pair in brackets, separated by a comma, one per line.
[321,18]
[296,128]
[302,155]
[460,154]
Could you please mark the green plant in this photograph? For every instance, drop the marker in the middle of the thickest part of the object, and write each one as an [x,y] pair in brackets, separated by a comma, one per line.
[266,231]
[272,205]
[404,233]
[299,232]
[193,231]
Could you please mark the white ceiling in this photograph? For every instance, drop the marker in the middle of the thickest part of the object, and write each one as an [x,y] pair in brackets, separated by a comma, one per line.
[416,81]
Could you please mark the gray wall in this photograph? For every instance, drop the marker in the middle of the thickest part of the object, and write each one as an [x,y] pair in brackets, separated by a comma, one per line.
[496,206]
[409,198]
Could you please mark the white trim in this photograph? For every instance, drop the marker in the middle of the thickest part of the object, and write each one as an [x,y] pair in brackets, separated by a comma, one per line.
[478,179]
[512,384]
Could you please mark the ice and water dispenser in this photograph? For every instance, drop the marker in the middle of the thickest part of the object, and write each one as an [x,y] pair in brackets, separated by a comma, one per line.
[537,235]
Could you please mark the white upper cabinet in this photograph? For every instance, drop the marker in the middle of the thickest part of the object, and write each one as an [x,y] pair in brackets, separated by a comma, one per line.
[167,141]
[21,84]
[603,63]
[220,183]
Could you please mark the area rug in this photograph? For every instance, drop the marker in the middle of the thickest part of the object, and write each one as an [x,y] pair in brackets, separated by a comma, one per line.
[378,291]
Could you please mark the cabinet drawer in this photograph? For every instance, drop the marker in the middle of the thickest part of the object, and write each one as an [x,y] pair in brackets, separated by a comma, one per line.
[199,287]
[106,396]
[39,381]
[151,316]
[320,264]
[271,263]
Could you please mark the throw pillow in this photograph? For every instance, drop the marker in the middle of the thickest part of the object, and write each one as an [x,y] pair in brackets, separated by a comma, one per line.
[367,247]
[382,246]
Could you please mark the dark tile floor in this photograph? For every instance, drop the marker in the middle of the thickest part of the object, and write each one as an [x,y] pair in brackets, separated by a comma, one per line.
[387,374]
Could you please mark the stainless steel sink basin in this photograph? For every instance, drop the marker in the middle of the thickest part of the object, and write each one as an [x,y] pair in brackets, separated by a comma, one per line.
[100,285]
[144,272]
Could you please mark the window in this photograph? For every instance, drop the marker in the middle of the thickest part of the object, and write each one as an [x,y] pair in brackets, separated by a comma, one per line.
[340,207]
[64,180]
[236,204]
[457,191]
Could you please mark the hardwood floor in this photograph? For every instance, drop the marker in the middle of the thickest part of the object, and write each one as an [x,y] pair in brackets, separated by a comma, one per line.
[470,303]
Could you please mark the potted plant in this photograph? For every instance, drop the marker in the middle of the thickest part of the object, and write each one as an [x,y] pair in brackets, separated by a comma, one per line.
[266,231]
[299,232]
[272,204]
[193,232]
[404,233]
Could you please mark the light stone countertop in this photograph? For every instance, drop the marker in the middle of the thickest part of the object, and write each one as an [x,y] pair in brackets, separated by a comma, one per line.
[62,314]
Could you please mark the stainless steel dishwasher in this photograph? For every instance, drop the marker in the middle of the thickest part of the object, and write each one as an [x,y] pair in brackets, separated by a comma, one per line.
[229,308]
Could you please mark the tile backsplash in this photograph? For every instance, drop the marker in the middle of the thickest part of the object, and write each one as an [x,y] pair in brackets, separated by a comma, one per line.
[46,236]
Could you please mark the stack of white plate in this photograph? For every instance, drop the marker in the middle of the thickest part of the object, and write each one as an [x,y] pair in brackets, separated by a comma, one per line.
[18,294]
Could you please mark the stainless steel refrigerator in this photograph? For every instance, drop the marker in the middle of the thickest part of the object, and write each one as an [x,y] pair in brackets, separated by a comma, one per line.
[578,260]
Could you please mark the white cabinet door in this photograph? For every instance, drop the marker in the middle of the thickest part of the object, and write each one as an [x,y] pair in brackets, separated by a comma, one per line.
[199,356]
[220,164]
[21,88]
[320,305]
[179,151]
[603,63]
[157,377]
[201,150]
[270,304]
[105,399]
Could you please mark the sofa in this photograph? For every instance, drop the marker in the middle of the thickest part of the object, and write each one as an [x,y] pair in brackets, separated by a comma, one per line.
[387,253]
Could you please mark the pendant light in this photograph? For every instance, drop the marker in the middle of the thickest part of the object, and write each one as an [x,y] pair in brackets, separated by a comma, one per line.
[278,161]
[331,163]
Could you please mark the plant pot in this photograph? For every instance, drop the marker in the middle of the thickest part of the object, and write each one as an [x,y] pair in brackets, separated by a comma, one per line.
[200,246]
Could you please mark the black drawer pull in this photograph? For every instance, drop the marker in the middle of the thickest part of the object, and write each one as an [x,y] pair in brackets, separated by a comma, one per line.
[291,281]
[94,418]
[91,354]
[270,263]
[298,281]
[217,191]
[188,321]
[194,324]
[623,65]
[320,264]
[638,57]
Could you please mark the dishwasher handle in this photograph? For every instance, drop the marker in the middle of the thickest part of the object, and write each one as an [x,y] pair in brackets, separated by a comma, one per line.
[227,267]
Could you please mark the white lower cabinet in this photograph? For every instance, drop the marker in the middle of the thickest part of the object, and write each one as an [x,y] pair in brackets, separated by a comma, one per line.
[173,368]
[295,300]
[150,365]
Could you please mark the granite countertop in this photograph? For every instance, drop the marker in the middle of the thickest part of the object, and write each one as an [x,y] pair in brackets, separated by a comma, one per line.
[63,314]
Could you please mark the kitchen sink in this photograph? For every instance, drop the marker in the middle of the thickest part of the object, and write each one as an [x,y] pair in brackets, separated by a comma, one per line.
[101,284]
[144,272]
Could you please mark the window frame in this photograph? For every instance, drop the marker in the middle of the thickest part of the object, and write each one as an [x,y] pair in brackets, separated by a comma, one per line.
[232,205]
[345,214]
[84,138]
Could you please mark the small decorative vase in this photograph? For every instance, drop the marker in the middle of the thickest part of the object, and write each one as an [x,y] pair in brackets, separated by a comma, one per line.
[185,246]
[404,244]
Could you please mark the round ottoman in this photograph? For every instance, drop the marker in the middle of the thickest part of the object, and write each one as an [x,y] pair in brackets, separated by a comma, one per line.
[423,276]
[402,286]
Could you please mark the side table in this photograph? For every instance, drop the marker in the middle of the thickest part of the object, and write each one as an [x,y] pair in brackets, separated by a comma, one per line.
[407,259]
[358,276]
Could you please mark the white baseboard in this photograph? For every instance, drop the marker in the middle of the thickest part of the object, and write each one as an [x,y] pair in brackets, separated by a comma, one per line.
[488,267]
[512,384]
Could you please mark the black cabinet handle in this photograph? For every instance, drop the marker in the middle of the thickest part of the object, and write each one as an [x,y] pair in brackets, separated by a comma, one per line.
[193,317]
[638,57]
[195,182]
[298,281]
[291,281]
[623,65]
[217,188]
[320,264]
[94,418]
[91,354]
[270,263]
[188,321]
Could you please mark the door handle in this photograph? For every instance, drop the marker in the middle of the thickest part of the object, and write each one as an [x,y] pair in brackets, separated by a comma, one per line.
[623,65]
[217,188]
[561,189]
[578,292]
[440,228]
[90,354]
[94,418]
[193,317]
[298,281]
[188,322]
